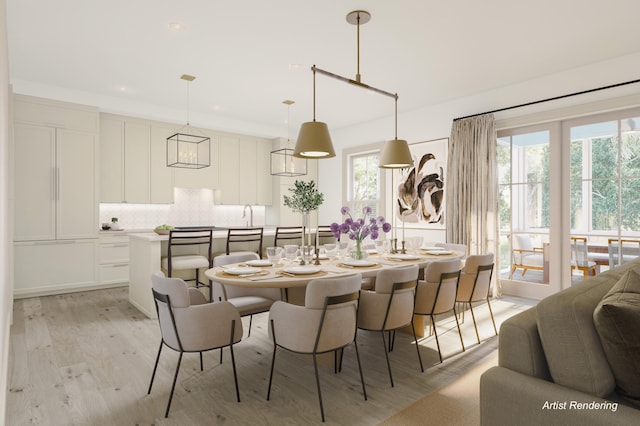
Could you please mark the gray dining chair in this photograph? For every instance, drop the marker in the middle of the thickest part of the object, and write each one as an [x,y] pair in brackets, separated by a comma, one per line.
[189,324]
[326,323]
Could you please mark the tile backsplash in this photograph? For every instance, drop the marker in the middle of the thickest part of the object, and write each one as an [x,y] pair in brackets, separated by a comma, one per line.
[191,207]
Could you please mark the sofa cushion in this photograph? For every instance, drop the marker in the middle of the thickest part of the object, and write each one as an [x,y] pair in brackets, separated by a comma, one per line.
[569,338]
[617,320]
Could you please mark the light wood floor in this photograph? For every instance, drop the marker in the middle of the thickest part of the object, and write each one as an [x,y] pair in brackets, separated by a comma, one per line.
[86,359]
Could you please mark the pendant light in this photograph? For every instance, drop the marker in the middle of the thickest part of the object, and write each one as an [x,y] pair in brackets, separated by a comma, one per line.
[395,153]
[283,162]
[188,148]
[314,140]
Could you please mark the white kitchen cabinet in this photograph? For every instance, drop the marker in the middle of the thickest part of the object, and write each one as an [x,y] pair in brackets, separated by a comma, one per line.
[264,180]
[161,176]
[113,258]
[230,170]
[111,160]
[124,160]
[55,183]
[248,173]
[55,266]
[136,162]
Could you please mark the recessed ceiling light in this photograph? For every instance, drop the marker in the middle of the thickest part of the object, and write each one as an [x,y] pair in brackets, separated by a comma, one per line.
[216,107]
[294,67]
[177,26]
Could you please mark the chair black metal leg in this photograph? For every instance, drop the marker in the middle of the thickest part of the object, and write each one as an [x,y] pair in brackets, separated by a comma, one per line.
[340,359]
[273,359]
[415,339]
[173,386]
[155,367]
[250,321]
[458,325]
[364,390]
[221,355]
[201,364]
[233,359]
[435,332]
[386,355]
[315,367]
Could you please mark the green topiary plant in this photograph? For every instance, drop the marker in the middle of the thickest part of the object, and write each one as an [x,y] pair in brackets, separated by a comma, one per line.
[305,198]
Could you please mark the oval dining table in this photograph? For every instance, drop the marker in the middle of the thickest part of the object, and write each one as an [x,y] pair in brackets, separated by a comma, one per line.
[277,276]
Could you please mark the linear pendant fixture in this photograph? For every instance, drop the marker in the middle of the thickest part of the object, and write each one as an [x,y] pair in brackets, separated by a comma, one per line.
[314,140]
[283,162]
[188,148]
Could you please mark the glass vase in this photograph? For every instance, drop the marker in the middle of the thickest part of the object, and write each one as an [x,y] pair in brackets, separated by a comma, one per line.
[358,253]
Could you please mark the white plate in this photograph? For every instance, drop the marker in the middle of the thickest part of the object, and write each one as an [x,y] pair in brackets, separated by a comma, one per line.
[431,248]
[239,270]
[259,262]
[401,256]
[361,263]
[438,252]
[301,270]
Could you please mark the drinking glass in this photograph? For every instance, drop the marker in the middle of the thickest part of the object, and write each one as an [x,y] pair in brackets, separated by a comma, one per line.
[343,248]
[307,253]
[274,254]
[331,250]
[290,252]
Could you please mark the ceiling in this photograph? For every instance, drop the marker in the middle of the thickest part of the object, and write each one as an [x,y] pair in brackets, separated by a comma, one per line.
[248,56]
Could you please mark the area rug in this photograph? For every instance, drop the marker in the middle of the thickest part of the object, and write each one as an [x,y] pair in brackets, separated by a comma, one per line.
[455,404]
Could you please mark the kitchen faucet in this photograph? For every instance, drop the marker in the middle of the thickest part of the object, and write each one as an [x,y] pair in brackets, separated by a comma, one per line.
[244,214]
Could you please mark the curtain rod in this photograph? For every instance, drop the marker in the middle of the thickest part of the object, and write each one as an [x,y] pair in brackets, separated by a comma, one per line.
[549,99]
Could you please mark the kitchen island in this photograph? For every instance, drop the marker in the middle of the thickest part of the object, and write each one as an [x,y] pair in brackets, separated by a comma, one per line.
[146,250]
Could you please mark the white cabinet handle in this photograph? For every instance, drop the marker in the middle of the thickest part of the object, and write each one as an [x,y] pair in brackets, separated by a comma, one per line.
[48,243]
[119,265]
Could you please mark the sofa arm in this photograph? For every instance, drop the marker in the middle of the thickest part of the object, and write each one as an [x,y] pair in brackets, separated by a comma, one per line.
[509,397]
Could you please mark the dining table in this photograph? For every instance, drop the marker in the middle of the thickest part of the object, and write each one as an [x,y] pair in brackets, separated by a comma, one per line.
[292,277]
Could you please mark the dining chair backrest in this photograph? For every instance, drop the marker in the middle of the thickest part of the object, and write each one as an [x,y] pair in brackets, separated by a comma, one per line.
[437,293]
[229,291]
[475,279]
[324,235]
[391,304]
[287,235]
[249,238]
[183,241]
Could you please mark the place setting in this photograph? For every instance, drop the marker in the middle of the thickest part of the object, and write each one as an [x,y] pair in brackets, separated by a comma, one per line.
[310,271]
[241,272]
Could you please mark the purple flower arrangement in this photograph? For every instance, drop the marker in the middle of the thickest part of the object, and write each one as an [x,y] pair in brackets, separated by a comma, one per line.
[359,229]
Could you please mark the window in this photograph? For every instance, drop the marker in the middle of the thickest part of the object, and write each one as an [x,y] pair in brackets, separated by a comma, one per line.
[364,182]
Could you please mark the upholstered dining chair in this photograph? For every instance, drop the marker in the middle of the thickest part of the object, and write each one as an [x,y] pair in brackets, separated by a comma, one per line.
[250,239]
[437,294]
[474,285]
[185,252]
[248,301]
[622,251]
[189,324]
[326,323]
[390,306]
[287,235]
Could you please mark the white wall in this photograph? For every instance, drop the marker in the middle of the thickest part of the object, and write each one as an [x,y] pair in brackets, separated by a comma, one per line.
[435,122]
[6,288]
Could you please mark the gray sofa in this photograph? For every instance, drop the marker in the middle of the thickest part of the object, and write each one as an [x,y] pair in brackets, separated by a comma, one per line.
[553,368]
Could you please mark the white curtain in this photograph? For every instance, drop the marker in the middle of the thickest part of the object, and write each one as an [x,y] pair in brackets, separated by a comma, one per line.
[472,187]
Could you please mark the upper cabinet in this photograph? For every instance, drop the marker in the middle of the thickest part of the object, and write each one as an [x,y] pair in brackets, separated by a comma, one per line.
[55,170]
[133,165]
[129,152]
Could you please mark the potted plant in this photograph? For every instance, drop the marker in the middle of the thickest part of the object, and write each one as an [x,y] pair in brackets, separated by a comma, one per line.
[114,224]
[305,198]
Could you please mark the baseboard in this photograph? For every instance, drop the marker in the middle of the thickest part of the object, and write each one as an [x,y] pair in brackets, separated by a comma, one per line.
[62,289]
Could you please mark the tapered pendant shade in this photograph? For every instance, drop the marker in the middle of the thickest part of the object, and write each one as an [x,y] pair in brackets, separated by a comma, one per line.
[314,141]
[395,155]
